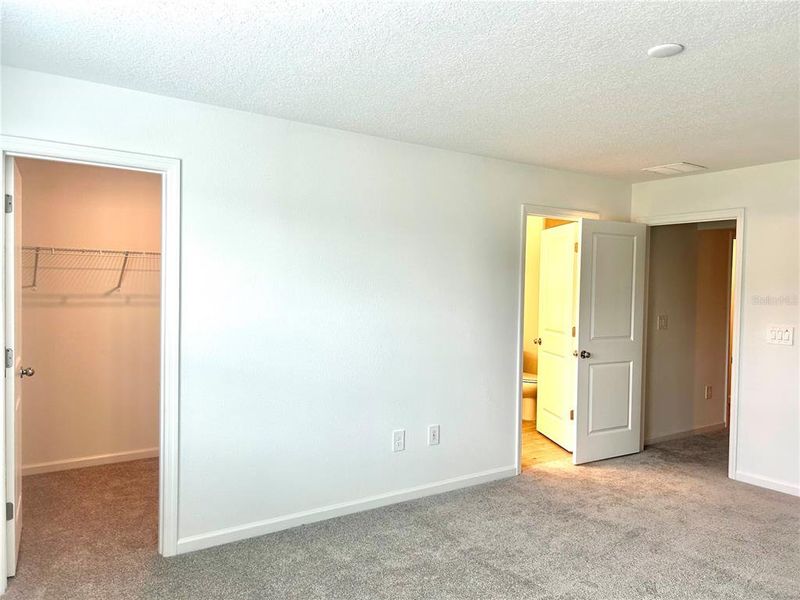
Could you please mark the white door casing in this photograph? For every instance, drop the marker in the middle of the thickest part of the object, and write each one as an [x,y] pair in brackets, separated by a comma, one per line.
[557,311]
[610,340]
[13,331]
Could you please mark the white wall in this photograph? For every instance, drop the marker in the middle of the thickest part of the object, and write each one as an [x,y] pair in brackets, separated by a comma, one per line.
[94,398]
[689,285]
[769,392]
[335,287]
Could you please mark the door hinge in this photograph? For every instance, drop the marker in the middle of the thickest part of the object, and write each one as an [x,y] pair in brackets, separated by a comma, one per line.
[573,331]
[9,511]
[572,415]
[9,203]
[576,244]
[9,358]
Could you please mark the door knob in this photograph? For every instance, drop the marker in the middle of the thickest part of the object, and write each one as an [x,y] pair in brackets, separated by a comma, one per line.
[585,354]
[26,372]
[537,341]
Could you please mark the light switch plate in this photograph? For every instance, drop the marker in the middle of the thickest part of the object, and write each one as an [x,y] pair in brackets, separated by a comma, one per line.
[398,440]
[663,321]
[782,335]
[433,435]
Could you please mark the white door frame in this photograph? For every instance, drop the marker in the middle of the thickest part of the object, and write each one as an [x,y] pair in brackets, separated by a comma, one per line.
[729,214]
[547,212]
[170,171]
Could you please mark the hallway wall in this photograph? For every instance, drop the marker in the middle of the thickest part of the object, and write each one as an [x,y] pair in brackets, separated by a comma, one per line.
[689,285]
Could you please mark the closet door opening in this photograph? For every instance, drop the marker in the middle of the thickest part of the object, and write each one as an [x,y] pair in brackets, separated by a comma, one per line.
[87,266]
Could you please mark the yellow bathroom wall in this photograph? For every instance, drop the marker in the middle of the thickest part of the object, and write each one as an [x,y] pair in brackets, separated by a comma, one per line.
[530,329]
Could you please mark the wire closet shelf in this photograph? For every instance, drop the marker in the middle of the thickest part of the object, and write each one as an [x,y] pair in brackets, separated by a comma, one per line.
[109,269]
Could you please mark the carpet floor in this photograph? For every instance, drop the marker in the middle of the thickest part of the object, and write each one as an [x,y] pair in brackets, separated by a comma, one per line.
[663,524]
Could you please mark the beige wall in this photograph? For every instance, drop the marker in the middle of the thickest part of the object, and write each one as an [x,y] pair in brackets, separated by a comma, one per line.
[95,392]
[530,351]
[689,284]
[713,322]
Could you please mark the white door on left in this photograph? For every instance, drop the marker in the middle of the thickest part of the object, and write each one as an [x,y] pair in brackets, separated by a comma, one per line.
[15,372]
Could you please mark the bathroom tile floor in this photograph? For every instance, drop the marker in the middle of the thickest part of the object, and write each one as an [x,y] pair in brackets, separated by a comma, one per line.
[537,449]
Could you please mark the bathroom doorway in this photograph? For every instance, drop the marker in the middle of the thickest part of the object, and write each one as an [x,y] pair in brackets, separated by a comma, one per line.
[549,311]
[590,334]
[550,303]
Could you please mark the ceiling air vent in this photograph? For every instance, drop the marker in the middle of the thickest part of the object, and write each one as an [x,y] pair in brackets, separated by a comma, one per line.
[675,168]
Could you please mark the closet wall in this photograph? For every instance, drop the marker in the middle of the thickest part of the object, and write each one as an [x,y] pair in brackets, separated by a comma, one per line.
[95,395]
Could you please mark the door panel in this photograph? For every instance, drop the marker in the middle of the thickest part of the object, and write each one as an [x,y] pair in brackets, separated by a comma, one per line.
[556,373]
[613,263]
[610,340]
[609,381]
[13,327]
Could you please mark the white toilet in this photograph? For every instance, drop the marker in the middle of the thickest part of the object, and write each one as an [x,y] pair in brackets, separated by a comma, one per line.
[529,384]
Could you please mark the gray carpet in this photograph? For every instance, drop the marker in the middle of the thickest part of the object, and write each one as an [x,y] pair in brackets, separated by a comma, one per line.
[666,523]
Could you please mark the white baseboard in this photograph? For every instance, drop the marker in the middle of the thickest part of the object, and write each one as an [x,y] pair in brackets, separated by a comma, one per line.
[257,528]
[684,434]
[88,461]
[770,484]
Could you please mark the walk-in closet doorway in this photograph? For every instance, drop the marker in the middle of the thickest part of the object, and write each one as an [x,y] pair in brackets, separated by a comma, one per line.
[91,281]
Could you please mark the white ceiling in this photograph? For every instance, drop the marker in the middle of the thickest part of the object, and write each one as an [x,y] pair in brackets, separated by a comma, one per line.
[565,85]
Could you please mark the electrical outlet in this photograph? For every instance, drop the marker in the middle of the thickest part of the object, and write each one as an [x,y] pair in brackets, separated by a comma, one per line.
[398,440]
[433,435]
[707,392]
[663,322]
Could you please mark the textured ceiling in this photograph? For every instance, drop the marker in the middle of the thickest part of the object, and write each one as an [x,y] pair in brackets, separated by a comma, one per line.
[565,85]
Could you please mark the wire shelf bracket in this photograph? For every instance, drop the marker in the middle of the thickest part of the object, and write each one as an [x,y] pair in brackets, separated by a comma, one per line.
[121,274]
[32,286]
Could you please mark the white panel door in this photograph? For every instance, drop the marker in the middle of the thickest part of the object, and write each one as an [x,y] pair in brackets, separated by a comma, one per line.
[610,345]
[555,395]
[14,366]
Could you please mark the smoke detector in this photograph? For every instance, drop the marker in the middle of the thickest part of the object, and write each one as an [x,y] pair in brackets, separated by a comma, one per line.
[665,50]
[675,168]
